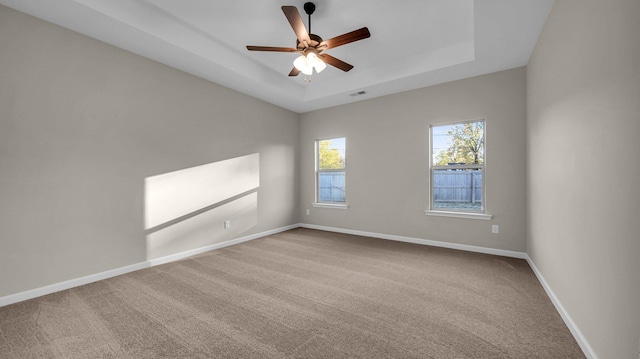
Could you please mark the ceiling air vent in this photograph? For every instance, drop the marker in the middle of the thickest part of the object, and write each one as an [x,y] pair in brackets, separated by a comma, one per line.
[357,93]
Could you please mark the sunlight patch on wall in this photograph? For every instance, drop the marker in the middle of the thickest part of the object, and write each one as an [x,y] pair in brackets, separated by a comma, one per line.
[206,228]
[172,195]
[187,209]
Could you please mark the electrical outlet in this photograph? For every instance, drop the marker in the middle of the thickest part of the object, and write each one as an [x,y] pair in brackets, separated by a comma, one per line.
[227,224]
[308,212]
[495,228]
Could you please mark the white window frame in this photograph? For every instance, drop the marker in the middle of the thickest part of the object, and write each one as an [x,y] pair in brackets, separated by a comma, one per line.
[458,212]
[325,204]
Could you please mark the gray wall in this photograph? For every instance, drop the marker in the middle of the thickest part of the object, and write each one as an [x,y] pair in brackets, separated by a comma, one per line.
[583,96]
[83,124]
[388,163]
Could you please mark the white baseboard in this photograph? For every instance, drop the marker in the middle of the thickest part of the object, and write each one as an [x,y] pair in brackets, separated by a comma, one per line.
[68,284]
[38,292]
[463,247]
[577,334]
[192,252]
[76,282]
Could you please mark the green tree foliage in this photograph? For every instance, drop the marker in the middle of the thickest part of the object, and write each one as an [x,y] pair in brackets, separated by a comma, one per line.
[330,158]
[467,145]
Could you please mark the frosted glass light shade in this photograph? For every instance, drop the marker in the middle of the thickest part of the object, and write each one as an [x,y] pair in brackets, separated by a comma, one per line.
[306,64]
[302,65]
[314,61]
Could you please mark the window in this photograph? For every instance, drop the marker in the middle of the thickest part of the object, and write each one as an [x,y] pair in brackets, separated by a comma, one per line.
[457,167]
[330,171]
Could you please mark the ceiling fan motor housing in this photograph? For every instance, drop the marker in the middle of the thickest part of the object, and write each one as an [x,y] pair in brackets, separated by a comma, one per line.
[315,41]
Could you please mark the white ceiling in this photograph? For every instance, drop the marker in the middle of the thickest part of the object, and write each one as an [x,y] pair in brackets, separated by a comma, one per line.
[413,43]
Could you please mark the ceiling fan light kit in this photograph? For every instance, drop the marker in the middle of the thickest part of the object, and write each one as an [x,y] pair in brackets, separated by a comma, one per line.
[311,46]
[306,64]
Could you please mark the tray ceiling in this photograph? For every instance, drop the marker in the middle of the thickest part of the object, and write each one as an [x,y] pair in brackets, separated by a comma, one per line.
[413,44]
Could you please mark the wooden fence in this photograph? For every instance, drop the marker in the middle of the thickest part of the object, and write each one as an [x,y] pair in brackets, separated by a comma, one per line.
[457,186]
[454,186]
[331,186]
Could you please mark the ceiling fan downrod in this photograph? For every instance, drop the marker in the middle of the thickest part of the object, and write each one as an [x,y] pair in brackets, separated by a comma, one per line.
[309,8]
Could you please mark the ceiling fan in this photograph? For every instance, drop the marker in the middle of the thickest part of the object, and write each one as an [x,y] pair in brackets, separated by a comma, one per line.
[311,46]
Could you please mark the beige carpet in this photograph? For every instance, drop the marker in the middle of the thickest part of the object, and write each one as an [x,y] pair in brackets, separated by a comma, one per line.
[300,294]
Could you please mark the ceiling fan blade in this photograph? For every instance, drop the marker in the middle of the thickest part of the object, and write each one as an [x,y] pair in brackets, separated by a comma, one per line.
[292,14]
[335,62]
[294,72]
[271,48]
[352,36]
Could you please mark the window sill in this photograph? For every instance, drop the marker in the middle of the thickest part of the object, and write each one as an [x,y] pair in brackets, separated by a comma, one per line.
[330,205]
[467,215]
